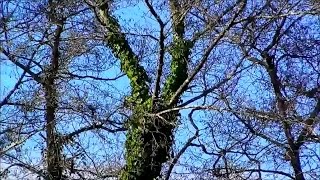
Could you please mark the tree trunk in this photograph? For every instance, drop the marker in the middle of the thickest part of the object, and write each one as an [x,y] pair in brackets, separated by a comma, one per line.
[296,164]
[53,144]
[149,139]
[147,148]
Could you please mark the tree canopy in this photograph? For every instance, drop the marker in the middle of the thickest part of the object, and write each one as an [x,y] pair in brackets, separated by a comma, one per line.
[168,89]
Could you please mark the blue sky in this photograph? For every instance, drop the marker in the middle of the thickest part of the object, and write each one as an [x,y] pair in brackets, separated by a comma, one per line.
[10,73]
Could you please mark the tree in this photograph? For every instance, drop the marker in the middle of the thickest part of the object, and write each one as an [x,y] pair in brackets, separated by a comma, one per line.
[50,102]
[218,89]
[287,65]
[149,138]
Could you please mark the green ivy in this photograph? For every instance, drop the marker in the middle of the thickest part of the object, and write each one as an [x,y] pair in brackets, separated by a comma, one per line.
[148,138]
[180,52]
[128,60]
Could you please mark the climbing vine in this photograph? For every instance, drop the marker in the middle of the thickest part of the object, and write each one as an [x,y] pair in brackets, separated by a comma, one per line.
[149,138]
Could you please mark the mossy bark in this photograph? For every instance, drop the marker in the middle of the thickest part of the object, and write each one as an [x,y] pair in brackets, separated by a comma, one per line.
[54,147]
[149,138]
[147,147]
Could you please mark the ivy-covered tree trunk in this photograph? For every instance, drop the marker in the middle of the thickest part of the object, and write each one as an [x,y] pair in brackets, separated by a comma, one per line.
[54,147]
[149,138]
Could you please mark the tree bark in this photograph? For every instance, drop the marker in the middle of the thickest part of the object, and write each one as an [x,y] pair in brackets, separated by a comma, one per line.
[293,151]
[296,164]
[54,146]
[149,139]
